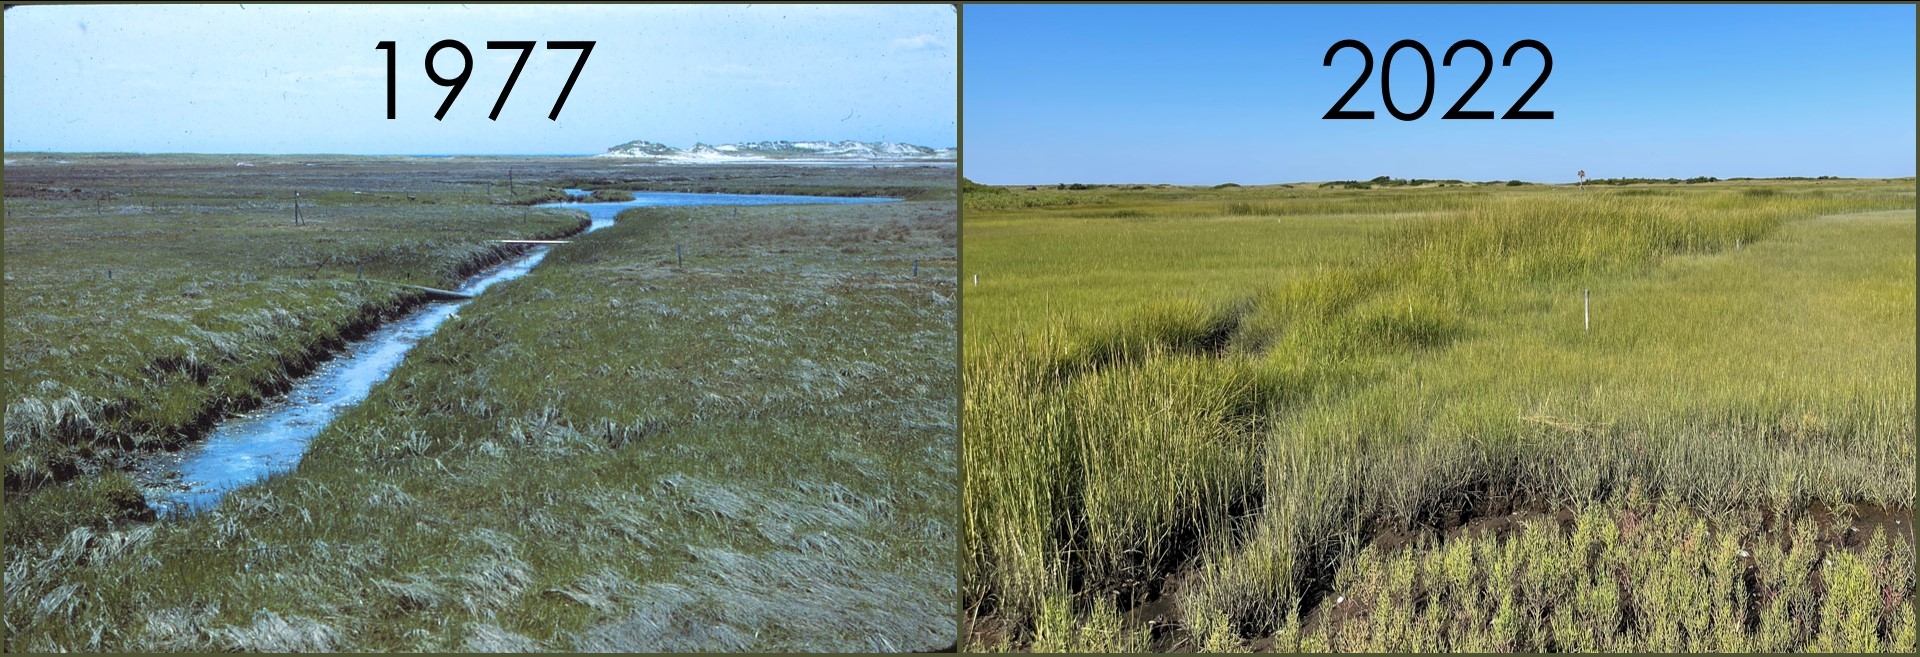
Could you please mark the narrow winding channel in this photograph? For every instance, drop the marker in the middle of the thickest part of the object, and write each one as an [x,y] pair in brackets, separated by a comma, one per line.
[247,448]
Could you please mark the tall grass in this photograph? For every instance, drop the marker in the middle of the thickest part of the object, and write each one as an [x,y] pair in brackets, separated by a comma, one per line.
[1412,371]
[1637,576]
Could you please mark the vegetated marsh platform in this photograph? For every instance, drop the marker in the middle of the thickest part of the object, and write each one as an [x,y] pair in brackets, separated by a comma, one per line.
[149,296]
[1395,360]
[580,460]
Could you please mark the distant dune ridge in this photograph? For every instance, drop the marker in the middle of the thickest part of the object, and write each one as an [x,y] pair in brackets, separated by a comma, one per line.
[847,150]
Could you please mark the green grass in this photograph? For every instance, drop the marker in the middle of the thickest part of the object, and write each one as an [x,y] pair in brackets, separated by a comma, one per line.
[1231,392]
[609,196]
[1627,576]
[754,450]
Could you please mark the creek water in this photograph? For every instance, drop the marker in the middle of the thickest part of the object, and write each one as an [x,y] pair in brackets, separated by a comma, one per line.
[251,447]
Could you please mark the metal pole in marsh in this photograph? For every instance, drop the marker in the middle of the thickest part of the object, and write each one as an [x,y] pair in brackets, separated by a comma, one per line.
[916,267]
[677,261]
[296,208]
[1586,308]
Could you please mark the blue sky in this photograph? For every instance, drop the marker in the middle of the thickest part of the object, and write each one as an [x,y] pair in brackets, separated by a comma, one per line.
[307,79]
[1212,94]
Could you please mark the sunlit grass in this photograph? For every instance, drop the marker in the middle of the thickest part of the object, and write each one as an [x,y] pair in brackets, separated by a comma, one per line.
[1414,355]
[1632,576]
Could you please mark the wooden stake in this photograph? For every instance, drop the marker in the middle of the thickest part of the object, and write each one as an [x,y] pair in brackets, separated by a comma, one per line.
[1586,308]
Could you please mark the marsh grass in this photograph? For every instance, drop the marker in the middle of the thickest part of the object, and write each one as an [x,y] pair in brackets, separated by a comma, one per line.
[1383,359]
[1632,575]
[753,450]
[148,297]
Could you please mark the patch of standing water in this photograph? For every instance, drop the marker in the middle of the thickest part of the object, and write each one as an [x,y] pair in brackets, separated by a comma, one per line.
[602,213]
[246,449]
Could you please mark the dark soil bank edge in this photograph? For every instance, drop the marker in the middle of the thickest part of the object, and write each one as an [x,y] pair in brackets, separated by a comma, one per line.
[138,447]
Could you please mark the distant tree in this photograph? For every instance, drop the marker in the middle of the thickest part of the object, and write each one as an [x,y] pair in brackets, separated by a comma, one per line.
[1583,178]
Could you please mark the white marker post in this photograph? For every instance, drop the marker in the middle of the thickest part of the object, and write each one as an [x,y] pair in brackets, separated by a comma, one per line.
[1586,308]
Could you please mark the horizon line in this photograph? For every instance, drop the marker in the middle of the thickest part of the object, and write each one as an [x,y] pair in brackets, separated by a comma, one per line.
[11,153]
[1636,179]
